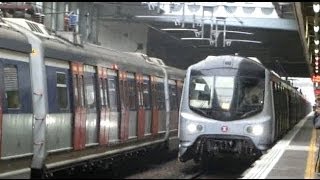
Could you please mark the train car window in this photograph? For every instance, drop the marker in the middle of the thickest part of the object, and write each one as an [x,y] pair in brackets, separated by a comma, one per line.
[11,86]
[102,91]
[140,93]
[90,91]
[105,84]
[62,90]
[180,93]
[160,94]
[75,88]
[113,89]
[81,94]
[173,95]
[146,92]
[132,92]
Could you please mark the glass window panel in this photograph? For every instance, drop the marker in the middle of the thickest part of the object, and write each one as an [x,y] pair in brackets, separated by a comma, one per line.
[81,93]
[102,95]
[112,89]
[11,86]
[62,90]
[90,92]
[173,96]
[146,92]
[75,89]
[132,91]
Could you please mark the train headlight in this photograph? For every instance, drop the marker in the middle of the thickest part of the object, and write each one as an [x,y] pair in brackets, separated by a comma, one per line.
[256,130]
[193,128]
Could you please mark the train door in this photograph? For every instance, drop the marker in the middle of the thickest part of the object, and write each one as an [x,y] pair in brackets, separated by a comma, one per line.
[141,112]
[90,84]
[133,106]
[124,104]
[173,107]
[104,110]
[15,107]
[155,106]
[79,115]
[147,104]
[114,102]
[60,124]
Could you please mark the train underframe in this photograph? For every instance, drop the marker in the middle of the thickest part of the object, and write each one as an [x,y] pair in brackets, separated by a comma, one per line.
[221,146]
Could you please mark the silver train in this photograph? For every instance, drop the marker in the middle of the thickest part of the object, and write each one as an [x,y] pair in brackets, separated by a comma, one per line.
[69,106]
[233,106]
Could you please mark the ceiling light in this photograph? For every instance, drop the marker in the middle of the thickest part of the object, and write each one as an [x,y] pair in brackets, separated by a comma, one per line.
[316,51]
[317,71]
[317,58]
[316,28]
[316,63]
[316,8]
[316,42]
[317,68]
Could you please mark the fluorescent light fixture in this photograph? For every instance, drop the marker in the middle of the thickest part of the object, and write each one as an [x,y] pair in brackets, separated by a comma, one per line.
[316,51]
[316,42]
[316,28]
[316,8]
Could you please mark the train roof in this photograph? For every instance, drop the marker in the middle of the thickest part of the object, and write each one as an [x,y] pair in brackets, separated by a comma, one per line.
[12,39]
[220,61]
[57,47]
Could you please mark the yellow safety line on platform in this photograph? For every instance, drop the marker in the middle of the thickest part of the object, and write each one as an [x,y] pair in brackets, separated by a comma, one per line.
[309,173]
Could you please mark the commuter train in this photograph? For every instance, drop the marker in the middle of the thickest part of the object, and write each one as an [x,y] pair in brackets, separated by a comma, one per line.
[65,105]
[232,106]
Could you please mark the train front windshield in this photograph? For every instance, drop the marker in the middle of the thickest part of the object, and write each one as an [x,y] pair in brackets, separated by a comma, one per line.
[226,94]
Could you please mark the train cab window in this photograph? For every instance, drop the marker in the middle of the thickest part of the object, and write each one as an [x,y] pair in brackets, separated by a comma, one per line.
[113,89]
[253,92]
[132,91]
[11,86]
[62,90]
[146,92]
[201,92]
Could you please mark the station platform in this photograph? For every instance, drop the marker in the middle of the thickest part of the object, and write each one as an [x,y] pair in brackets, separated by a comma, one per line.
[295,156]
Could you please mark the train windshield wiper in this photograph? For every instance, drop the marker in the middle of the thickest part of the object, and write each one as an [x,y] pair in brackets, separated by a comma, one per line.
[253,111]
[202,112]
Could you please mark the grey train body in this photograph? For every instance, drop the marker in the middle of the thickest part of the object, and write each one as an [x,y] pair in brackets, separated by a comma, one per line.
[63,104]
[218,127]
